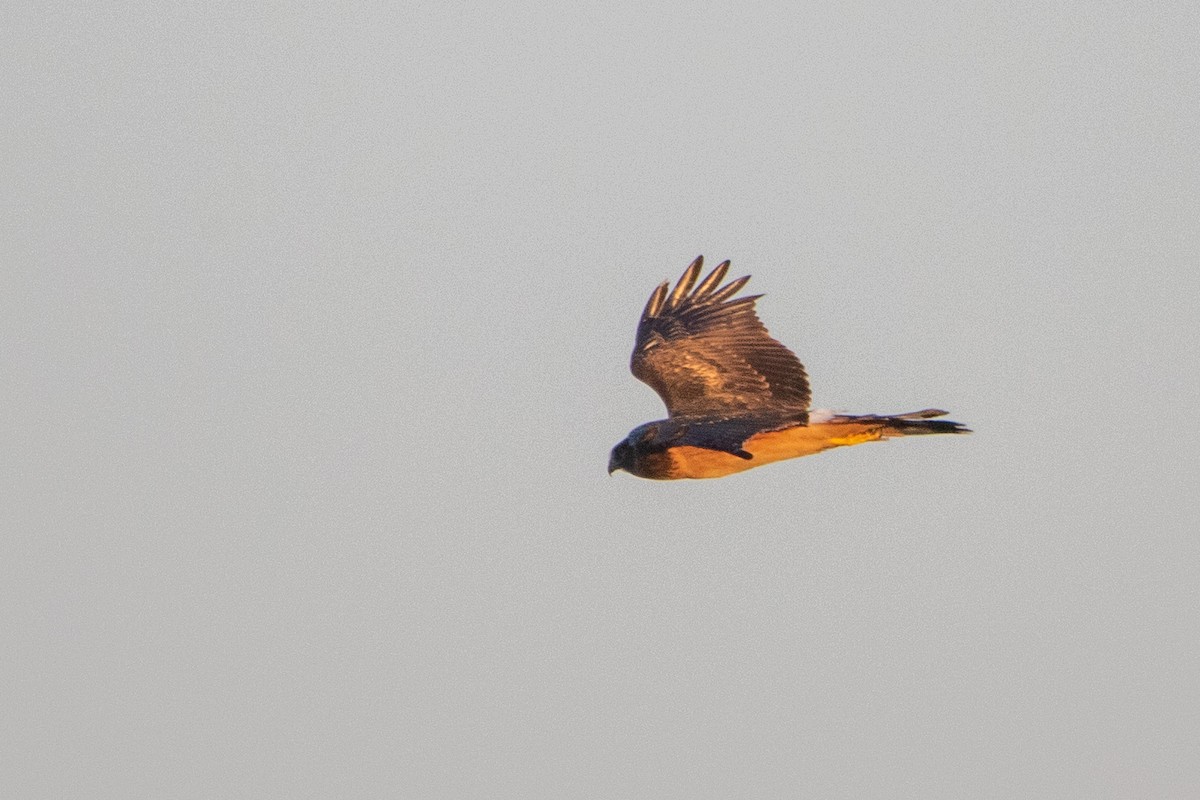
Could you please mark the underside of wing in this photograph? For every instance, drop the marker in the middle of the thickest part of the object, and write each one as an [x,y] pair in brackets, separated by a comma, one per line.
[709,355]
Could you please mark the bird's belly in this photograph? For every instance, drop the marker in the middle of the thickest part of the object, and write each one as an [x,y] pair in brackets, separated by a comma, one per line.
[768,447]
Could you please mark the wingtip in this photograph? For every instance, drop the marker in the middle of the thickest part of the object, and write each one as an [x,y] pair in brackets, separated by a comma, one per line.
[686,281]
[655,303]
[713,280]
[730,289]
[667,299]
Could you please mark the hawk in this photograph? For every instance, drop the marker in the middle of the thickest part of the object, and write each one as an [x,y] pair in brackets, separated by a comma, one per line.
[736,398]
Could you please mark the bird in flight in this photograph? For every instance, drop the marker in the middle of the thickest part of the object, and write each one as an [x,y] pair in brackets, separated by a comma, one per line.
[736,398]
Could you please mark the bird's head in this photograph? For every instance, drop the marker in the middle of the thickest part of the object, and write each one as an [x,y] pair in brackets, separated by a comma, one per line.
[623,457]
[643,442]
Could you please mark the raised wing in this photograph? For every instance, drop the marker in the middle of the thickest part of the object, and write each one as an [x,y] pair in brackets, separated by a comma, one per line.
[708,355]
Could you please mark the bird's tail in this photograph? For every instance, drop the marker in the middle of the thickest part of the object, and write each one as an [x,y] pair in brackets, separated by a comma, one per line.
[912,423]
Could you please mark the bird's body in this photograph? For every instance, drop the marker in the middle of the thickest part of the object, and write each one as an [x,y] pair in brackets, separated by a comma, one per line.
[736,398]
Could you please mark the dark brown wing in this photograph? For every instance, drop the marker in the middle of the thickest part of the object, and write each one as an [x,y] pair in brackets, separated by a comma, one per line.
[708,355]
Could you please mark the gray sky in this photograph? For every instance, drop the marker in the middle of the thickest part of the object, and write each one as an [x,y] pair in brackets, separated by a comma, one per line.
[316,322]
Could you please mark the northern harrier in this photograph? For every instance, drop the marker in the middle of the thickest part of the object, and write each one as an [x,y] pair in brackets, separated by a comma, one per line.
[736,398]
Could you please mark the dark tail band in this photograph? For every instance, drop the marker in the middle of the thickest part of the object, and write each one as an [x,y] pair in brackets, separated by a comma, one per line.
[912,423]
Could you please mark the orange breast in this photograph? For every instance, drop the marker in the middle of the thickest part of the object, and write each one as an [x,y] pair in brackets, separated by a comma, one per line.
[801,440]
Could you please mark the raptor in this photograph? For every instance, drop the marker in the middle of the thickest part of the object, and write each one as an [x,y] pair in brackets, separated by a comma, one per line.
[736,398]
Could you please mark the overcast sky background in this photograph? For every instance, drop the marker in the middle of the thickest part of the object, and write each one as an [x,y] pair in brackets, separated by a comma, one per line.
[315,332]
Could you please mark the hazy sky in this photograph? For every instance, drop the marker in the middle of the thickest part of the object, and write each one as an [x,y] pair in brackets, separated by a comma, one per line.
[314,334]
